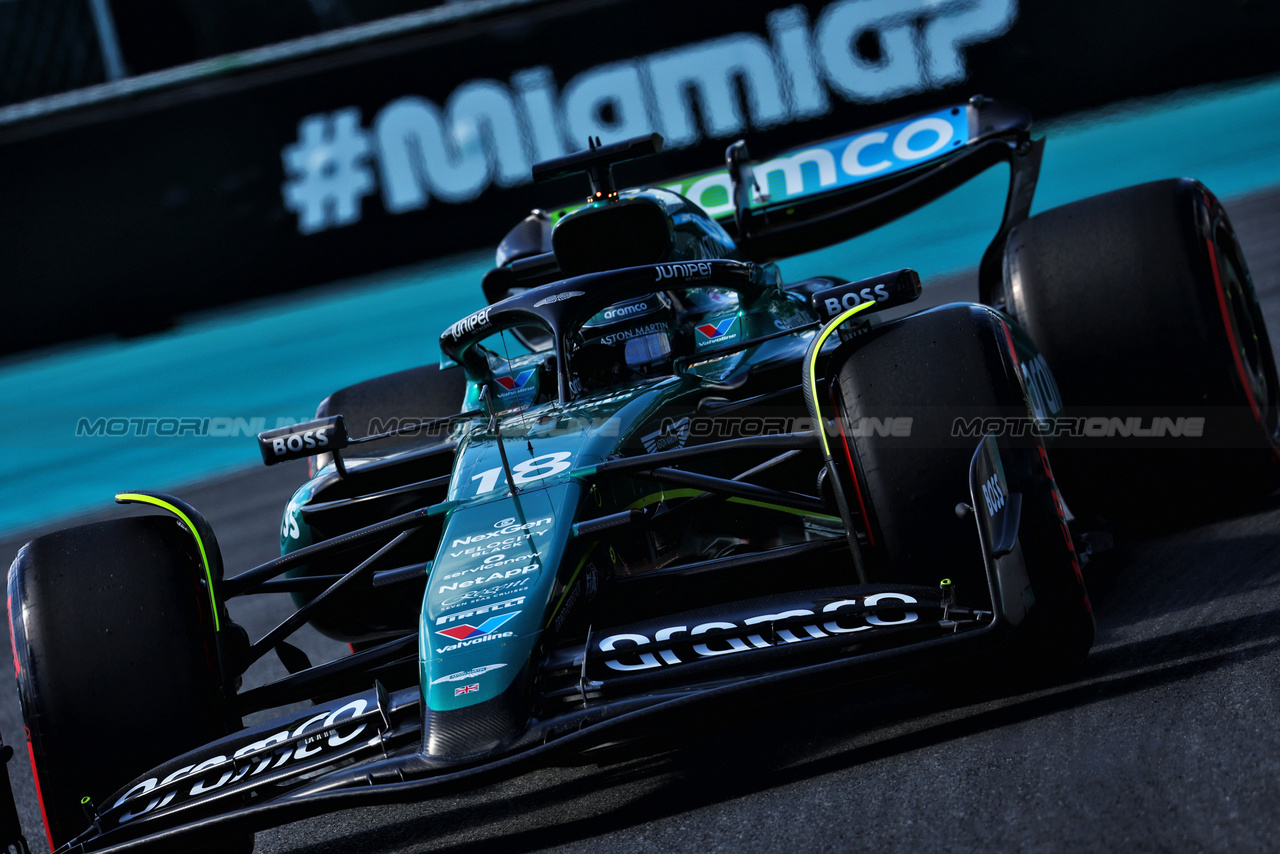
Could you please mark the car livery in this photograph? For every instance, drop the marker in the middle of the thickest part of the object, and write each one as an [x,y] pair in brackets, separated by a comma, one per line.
[674,478]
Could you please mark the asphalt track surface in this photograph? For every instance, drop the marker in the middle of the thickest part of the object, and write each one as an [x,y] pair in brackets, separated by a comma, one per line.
[1168,738]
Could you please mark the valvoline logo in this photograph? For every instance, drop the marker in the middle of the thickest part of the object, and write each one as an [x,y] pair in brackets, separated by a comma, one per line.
[515,383]
[717,330]
[468,632]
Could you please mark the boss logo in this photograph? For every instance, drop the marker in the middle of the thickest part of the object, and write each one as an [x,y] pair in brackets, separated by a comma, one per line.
[993,494]
[310,439]
[885,291]
[303,440]
[836,304]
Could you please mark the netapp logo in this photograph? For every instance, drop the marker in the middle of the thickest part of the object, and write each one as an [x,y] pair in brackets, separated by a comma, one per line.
[489,132]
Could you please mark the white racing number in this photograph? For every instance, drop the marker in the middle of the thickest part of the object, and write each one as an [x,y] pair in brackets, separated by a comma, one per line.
[528,471]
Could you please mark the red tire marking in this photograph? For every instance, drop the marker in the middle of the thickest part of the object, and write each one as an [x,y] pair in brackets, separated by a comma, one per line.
[1060,507]
[31,752]
[1231,334]
[35,775]
[1013,351]
[857,488]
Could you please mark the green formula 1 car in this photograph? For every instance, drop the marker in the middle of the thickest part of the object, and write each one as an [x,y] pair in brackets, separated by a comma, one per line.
[652,474]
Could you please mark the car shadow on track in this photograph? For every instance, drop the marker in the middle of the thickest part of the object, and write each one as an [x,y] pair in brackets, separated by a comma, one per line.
[711,761]
[1159,575]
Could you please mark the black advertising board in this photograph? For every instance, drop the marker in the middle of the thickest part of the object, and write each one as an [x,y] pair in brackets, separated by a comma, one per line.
[417,142]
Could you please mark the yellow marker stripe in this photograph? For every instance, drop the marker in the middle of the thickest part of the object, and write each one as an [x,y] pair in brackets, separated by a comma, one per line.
[572,579]
[792,510]
[137,498]
[813,365]
[641,503]
[655,497]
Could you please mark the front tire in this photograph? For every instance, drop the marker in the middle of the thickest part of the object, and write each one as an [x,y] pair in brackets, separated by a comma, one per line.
[938,368]
[116,659]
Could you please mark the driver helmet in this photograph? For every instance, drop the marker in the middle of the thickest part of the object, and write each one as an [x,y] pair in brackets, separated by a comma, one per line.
[629,338]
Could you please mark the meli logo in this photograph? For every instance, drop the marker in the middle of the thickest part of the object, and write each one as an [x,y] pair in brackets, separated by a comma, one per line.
[512,384]
[713,331]
[468,632]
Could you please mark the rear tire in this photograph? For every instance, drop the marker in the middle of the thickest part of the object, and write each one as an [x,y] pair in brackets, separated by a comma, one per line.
[949,363]
[113,634]
[1141,302]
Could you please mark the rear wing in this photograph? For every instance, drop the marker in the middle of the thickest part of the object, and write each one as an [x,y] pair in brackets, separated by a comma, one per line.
[859,182]
[833,190]
[830,167]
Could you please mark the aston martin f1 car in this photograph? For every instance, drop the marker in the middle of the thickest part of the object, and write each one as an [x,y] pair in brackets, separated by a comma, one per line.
[650,474]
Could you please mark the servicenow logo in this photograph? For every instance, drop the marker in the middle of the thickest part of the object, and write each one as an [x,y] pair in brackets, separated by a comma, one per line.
[489,132]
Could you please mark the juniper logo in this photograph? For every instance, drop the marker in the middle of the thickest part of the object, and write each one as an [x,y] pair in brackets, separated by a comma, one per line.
[489,132]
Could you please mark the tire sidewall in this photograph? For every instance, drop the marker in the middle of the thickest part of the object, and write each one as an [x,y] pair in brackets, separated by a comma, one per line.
[116,659]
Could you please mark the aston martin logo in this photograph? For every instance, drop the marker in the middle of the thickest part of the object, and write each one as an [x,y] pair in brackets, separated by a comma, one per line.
[670,436]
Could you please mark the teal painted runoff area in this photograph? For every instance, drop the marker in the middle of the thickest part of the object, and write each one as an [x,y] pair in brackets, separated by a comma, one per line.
[190,400]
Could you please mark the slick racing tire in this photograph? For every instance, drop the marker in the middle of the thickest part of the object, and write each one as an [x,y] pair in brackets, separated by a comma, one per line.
[117,663]
[928,372]
[415,394]
[1141,302]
